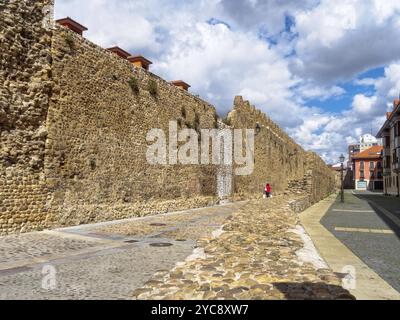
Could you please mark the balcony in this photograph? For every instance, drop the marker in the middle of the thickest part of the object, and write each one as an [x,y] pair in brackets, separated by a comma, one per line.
[396,162]
[387,171]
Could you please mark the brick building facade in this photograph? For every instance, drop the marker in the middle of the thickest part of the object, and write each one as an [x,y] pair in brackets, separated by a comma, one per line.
[368,169]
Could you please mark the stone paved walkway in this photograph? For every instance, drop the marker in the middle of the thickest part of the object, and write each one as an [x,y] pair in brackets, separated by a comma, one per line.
[253,250]
[103,261]
[262,253]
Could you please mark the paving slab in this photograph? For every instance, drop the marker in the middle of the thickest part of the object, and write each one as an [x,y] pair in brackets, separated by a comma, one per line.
[340,258]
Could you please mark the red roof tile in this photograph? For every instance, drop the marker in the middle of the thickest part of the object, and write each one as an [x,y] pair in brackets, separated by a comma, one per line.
[70,22]
[371,153]
[121,52]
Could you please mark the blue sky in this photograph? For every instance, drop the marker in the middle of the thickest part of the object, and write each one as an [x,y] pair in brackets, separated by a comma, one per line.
[336,104]
[326,71]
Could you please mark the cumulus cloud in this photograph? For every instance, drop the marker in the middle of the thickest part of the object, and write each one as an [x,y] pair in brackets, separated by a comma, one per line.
[363,104]
[221,63]
[122,23]
[311,91]
[366,114]
[270,15]
[340,39]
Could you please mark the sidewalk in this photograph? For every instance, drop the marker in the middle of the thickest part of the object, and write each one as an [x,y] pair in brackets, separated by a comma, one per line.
[369,285]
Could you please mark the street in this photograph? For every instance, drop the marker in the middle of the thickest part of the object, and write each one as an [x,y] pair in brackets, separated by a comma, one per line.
[369,225]
[105,260]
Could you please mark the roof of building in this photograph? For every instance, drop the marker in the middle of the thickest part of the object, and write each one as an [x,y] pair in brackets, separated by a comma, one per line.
[180,83]
[337,166]
[139,58]
[371,153]
[390,116]
[121,52]
[71,22]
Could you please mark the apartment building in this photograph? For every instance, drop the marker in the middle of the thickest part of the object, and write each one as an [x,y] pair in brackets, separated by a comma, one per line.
[390,133]
[368,171]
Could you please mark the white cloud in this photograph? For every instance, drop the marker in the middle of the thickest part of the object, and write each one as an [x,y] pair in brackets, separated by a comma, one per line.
[268,14]
[312,91]
[366,115]
[362,104]
[122,23]
[219,65]
[340,39]
[365,82]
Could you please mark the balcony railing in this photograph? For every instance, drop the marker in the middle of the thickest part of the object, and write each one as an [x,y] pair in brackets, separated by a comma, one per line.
[387,171]
[396,160]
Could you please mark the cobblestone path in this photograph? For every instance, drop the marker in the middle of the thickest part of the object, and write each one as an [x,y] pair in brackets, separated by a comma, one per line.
[262,253]
[103,261]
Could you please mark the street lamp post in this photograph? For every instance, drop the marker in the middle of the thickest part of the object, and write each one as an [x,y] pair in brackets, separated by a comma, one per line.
[342,158]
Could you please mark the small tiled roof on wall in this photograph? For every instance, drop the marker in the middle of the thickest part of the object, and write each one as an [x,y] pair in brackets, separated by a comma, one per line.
[72,24]
[121,52]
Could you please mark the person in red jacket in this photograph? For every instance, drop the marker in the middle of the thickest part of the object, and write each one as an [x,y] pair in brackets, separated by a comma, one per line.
[268,190]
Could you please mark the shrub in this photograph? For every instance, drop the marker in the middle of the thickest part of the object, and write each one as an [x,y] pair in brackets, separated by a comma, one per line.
[153,88]
[69,40]
[133,83]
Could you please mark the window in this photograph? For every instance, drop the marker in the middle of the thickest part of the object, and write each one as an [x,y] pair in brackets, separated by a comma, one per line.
[397,129]
[371,175]
[362,165]
[371,166]
[387,162]
[362,176]
[387,141]
[379,165]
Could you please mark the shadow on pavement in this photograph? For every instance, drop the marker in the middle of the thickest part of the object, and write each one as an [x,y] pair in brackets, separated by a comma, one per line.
[393,226]
[312,291]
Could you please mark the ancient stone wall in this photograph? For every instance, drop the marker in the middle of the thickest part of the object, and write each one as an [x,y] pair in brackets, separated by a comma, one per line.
[74,119]
[278,158]
[321,179]
[101,111]
[25,88]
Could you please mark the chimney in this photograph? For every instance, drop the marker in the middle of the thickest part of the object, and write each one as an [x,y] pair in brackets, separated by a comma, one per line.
[72,25]
[140,62]
[181,84]
[119,52]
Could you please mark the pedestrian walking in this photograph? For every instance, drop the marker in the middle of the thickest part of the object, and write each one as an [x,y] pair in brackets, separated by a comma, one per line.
[268,190]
